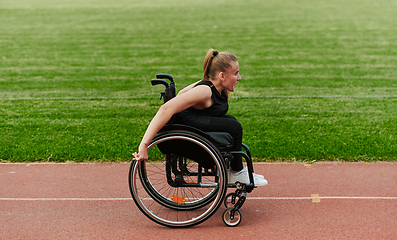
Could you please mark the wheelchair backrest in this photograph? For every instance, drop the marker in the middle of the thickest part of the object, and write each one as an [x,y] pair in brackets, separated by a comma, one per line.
[169,91]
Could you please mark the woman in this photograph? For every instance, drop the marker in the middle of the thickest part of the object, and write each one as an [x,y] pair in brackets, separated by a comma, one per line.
[204,105]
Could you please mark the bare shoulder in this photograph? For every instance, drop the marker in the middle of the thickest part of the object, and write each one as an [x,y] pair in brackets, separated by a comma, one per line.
[197,96]
[188,88]
[196,92]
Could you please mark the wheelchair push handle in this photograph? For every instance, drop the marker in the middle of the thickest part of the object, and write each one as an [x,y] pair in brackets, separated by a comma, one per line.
[169,91]
[165,76]
[160,81]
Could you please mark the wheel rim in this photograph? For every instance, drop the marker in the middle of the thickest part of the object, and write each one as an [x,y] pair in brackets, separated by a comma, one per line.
[228,220]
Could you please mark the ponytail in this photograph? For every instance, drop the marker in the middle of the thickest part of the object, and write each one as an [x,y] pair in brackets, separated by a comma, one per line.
[207,64]
[217,62]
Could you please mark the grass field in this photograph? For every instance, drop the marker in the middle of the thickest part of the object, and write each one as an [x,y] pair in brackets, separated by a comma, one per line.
[319,77]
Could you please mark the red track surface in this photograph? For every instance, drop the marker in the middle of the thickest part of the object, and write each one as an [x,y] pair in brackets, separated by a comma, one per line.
[92,201]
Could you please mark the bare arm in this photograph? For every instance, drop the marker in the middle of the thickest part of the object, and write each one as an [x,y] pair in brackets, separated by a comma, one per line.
[187,88]
[200,95]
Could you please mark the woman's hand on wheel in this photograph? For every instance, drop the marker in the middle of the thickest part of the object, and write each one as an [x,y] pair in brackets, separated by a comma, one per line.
[141,155]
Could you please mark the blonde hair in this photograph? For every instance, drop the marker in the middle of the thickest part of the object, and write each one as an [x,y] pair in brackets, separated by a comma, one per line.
[217,62]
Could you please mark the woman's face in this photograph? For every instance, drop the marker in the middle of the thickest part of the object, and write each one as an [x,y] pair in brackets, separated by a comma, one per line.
[231,77]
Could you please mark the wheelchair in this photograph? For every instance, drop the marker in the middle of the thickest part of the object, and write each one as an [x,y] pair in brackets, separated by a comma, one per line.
[184,181]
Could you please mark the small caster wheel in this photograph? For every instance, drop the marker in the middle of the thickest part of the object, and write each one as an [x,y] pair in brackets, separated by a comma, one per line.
[230,200]
[230,219]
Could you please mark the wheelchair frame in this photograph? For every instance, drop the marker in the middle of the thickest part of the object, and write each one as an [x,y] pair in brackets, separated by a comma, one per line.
[188,182]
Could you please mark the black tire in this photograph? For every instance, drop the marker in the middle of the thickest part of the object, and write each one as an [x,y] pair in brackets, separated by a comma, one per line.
[228,220]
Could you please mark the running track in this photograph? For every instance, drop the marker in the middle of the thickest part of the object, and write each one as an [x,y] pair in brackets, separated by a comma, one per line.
[92,201]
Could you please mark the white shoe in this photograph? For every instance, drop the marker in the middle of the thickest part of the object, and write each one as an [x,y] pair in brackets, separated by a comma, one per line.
[243,177]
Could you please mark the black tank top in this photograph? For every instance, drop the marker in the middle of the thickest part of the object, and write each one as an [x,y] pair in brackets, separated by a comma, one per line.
[219,105]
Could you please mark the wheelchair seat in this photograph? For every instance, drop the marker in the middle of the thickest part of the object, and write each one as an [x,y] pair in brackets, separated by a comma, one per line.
[221,140]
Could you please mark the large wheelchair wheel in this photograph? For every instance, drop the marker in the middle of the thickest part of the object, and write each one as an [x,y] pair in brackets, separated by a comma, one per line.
[182,183]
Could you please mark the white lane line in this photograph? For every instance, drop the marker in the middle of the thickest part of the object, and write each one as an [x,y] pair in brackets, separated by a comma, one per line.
[329,197]
[65,199]
[248,198]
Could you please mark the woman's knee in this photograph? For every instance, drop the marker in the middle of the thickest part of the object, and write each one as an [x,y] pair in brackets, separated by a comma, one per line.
[239,129]
[236,126]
